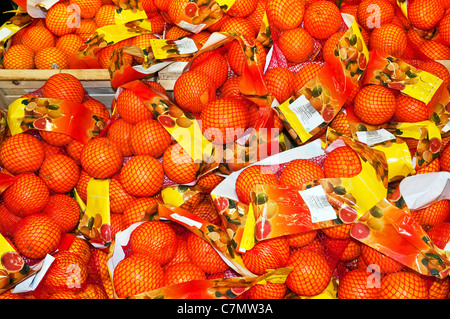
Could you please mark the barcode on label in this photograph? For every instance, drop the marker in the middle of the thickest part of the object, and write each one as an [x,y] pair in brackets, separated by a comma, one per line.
[306,113]
[186,46]
[374,137]
[317,202]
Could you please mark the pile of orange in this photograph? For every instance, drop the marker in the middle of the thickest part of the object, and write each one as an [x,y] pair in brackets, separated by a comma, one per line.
[139,157]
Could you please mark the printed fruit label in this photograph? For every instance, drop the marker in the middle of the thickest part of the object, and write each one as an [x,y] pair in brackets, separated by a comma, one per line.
[12,26]
[13,268]
[168,49]
[441,113]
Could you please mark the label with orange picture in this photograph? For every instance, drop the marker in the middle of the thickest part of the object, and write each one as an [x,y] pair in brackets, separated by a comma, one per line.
[169,48]
[441,113]
[54,115]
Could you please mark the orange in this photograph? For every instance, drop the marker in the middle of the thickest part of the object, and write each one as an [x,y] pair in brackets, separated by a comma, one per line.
[101,158]
[73,150]
[177,9]
[69,43]
[301,239]
[297,45]
[239,25]
[279,82]
[60,173]
[8,221]
[193,90]
[390,39]
[149,6]
[162,5]
[27,195]
[330,45]
[16,38]
[305,74]
[149,137]
[285,14]
[98,108]
[183,272]
[251,176]
[352,251]
[86,29]
[322,19]
[201,37]
[342,162]
[411,110]
[434,50]
[299,172]
[21,153]
[119,198]
[88,8]
[242,8]
[445,159]
[403,285]
[231,88]
[51,58]
[119,132]
[38,38]
[268,290]
[105,16]
[19,56]
[256,17]
[267,254]
[425,14]
[36,236]
[178,165]
[175,32]
[60,19]
[374,13]
[338,232]
[207,211]
[64,86]
[157,23]
[444,29]
[209,181]
[440,234]
[438,69]
[202,254]
[439,289]
[213,64]
[82,184]
[310,274]
[116,223]
[433,167]
[156,239]
[433,214]
[67,270]
[181,255]
[372,256]
[351,9]
[374,104]
[80,247]
[137,274]
[92,291]
[142,175]
[224,120]
[354,285]
[236,58]
[341,125]
[215,27]
[136,210]
[98,270]
[157,87]
[55,138]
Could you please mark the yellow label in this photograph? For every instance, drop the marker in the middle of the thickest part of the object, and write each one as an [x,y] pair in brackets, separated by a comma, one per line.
[167,48]
[16,110]
[403,5]
[424,88]
[248,237]
[172,196]
[419,130]
[118,32]
[225,4]
[123,16]
[294,122]
[399,160]
[4,248]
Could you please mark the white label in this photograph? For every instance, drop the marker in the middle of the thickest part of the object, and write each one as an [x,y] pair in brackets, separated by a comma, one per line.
[447,247]
[446,128]
[375,137]
[191,27]
[306,113]
[317,202]
[5,33]
[186,46]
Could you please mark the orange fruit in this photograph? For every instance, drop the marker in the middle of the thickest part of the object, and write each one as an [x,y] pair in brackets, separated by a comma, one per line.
[242,8]
[64,210]
[322,19]
[183,272]
[92,291]
[239,25]
[301,239]
[352,251]
[285,14]
[60,173]
[372,256]
[267,254]
[354,285]
[251,176]
[411,110]
[86,29]
[119,132]
[51,58]
[207,211]
[175,32]
[414,39]
[425,14]
[82,184]
[433,214]
[351,9]
[27,195]
[21,153]
[299,172]
[55,138]
[19,56]
[439,289]
[137,274]
[444,29]
[156,239]
[68,270]
[178,165]
[38,38]
[374,13]
[157,22]
[8,221]
[88,8]
[341,125]
[268,290]
[390,39]
[256,17]
[157,87]
[213,64]
[202,254]
[59,19]
[279,82]
[116,220]
[342,162]
[8,294]
[215,27]
[80,247]
[330,45]
[118,197]
[403,285]
[136,210]
[433,167]
[101,158]
[224,120]
[436,68]
[181,255]
[209,181]
[73,150]
[193,90]
[64,86]
[236,58]
[434,50]
[149,6]
[305,74]
[69,43]
[162,5]
[36,236]
[142,175]
[310,274]
[440,234]
[149,137]
[374,104]
[105,16]
[297,45]
[338,232]
[201,37]
[16,38]
[445,159]
[98,108]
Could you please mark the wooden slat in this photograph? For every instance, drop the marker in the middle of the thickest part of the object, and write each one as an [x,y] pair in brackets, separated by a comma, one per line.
[43,75]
